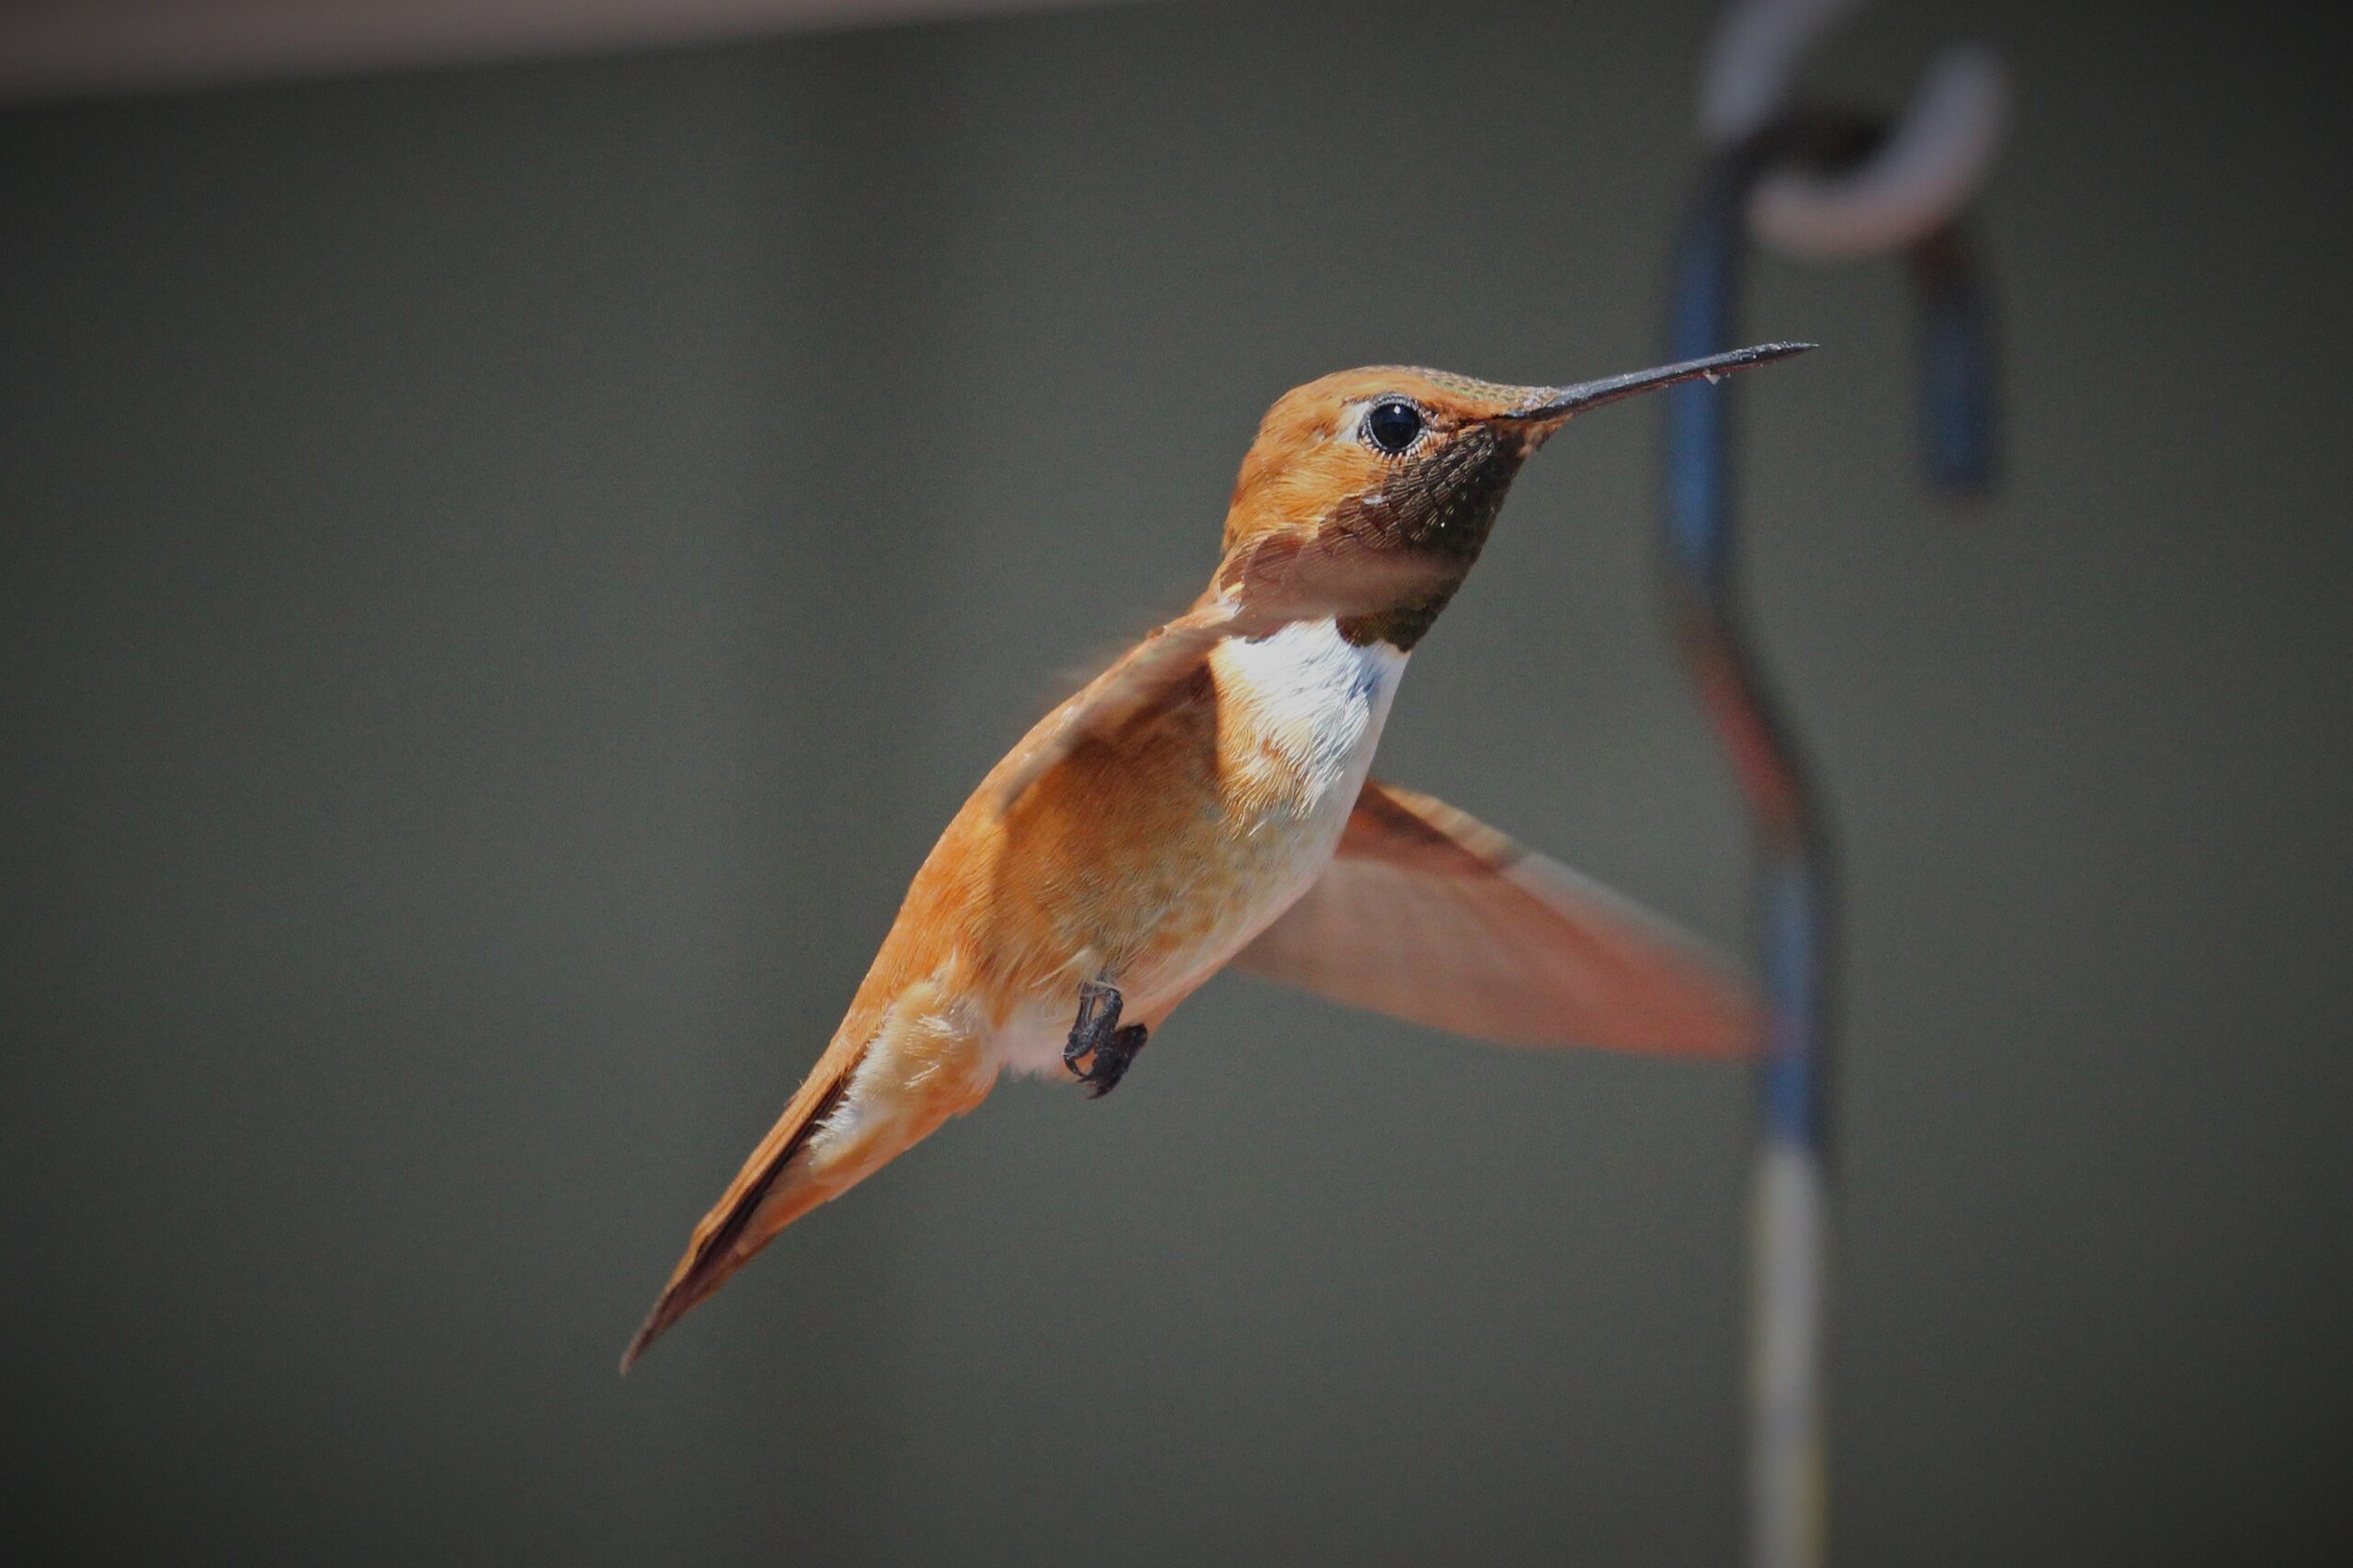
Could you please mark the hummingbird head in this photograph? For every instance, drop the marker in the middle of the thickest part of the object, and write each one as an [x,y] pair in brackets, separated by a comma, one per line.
[1396,465]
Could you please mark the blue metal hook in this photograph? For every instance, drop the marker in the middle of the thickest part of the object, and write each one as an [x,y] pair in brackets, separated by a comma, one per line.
[1798,892]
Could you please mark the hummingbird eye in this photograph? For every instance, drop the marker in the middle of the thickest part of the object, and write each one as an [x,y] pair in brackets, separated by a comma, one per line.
[1391,425]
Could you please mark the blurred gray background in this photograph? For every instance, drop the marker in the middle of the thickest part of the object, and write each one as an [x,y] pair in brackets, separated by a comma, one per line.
[504,571]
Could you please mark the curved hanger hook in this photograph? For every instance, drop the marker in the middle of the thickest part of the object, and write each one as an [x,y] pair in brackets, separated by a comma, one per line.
[1917,178]
[1818,183]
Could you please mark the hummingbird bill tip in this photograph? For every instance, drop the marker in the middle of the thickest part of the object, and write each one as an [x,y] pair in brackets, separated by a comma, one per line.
[1559,404]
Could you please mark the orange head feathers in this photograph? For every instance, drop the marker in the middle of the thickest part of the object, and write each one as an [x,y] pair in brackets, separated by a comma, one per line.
[1404,470]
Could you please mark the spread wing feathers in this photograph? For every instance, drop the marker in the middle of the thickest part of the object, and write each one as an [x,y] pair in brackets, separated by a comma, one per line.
[1430,915]
[1265,584]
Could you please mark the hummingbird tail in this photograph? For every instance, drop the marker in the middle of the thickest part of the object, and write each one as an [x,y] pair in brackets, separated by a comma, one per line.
[872,1096]
[718,1249]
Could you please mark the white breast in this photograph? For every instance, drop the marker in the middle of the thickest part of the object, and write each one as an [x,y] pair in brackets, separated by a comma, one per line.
[1301,710]
[1311,701]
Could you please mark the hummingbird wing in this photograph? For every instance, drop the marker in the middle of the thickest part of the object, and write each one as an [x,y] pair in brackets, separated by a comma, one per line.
[1264,586]
[1428,914]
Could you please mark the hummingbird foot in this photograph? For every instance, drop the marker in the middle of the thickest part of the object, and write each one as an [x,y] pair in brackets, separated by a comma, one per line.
[1098,1039]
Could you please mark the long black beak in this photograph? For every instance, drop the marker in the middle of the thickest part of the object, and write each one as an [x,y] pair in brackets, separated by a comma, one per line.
[1556,403]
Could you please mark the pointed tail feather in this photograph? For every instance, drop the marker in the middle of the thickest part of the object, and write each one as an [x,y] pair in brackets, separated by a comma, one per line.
[716,1250]
[890,1077]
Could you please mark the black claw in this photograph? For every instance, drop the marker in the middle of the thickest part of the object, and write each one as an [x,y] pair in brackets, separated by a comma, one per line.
[1098,1039]
[1112,1059]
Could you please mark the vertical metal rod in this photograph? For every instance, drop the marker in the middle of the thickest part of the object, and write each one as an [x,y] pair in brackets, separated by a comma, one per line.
[1788,1481]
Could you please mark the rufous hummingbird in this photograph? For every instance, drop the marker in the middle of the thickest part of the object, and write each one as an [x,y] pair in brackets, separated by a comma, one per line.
[1205,801]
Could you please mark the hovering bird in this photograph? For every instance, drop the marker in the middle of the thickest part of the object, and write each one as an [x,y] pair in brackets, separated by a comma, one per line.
[1205,801]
